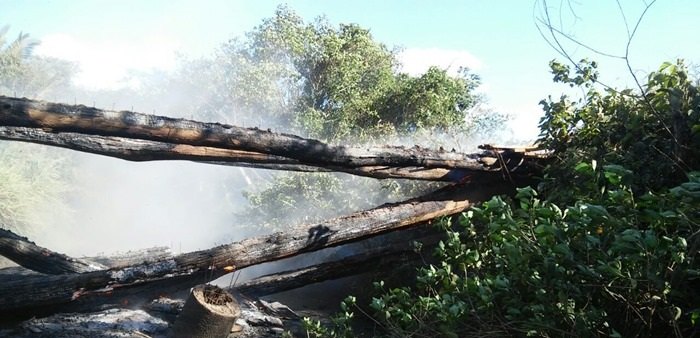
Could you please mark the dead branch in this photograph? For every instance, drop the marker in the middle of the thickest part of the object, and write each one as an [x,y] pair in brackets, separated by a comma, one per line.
[85,120]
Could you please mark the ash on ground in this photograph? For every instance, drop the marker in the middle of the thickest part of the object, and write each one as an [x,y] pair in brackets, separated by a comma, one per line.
[258,319]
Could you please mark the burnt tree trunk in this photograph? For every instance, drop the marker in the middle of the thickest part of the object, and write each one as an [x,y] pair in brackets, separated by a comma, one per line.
[385,257]
[209,312]
[32,294]
[85,120]
[145,150]
[31,256]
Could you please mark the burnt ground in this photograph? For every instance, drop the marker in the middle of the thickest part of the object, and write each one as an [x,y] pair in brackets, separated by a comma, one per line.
[271,316]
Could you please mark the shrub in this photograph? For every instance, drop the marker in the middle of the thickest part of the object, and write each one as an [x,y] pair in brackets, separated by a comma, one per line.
[611,249]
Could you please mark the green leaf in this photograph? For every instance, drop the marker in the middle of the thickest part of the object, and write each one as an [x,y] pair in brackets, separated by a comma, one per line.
[583,168]
[694,316]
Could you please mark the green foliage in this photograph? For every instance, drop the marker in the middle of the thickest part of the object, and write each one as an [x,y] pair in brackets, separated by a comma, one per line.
[22,74]
[30,177]
[13,53]
[616,266]
[341,322]
[432,100]
[336,83]
[310,197]
[656,131]
[612,249]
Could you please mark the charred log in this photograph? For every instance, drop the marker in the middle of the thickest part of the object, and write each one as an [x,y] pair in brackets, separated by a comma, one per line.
[208,313]
[145,150]
[81,119]
[31,256]
[33,294]
[364,262]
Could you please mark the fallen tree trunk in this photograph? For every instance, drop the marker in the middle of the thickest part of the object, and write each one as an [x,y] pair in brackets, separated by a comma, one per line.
[145,150]
[31,256]
[34,294]
[376,259]
[28,255]
[81,119]
[134,257]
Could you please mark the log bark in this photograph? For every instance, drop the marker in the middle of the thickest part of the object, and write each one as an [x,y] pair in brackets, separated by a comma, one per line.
[42,293]
[31,256]
[135,257]
[81,119]
[144,150]
[388,255]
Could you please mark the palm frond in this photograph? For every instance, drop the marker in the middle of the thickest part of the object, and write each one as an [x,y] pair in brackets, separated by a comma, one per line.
[23,46]
[3,32]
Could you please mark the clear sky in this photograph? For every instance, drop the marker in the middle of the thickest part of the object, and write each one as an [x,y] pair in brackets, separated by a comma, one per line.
[497,38]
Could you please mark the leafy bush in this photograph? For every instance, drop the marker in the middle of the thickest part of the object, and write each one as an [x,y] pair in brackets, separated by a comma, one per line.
[610,251]
[623,266]
[655,133]
[31,177]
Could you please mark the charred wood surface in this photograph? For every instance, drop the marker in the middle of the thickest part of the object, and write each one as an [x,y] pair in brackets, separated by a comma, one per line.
[85,120]
[135,257]
[388,255]
[145,150]
[37,293]
[31,256]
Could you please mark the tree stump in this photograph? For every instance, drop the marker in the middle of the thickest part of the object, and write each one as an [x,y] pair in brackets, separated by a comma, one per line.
[209,312]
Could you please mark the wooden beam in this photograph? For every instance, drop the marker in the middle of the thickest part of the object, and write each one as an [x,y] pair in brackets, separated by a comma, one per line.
[384,256]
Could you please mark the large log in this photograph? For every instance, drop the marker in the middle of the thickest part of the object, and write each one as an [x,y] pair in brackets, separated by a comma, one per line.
[86,120]
[28,255]
[31,256]
[384,257]
[37,293]
[146,150]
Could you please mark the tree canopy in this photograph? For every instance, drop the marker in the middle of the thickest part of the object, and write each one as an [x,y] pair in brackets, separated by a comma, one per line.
[337,83]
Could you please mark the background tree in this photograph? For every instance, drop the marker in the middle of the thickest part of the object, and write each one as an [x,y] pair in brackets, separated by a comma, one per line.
[30,175]
[340,85]
[336,83]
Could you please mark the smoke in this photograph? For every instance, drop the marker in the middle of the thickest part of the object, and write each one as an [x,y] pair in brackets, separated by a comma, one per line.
[116,205]
[119,205]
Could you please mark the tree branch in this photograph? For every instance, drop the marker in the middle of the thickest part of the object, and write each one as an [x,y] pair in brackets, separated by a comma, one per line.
[85,120]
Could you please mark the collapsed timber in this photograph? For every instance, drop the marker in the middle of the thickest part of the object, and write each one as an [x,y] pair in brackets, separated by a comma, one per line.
[43,293]
[141,137]
[52,282]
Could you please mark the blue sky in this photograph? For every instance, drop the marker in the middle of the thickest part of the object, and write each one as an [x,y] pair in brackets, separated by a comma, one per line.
[497,38]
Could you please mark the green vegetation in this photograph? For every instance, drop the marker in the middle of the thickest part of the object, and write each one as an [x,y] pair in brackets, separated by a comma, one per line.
[605,245]
[23,74]
[31,176]
[654,133]
[293,199]
[337,83]
[610,248]
[340,85]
